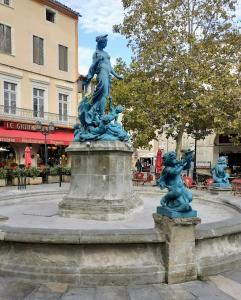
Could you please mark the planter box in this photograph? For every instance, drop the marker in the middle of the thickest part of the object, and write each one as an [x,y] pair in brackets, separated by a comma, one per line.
[34,180]
[66,178]
[53,179]
[2,182]
[15,181]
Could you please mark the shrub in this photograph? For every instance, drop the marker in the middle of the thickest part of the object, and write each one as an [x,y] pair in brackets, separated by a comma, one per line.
[2,173]
[19,172]
[33,172]
[54,171]
[67,170]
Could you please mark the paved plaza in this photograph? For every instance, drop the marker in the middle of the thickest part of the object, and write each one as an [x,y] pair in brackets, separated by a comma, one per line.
[224,286]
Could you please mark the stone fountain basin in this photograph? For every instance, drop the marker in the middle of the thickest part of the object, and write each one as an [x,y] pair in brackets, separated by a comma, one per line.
[37,243]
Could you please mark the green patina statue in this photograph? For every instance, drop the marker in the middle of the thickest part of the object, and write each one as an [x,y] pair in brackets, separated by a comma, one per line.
[94,123]
[220,177]
[176,203]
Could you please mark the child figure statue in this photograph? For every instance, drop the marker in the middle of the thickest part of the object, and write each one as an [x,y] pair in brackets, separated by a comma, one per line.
[176,203]
[220,177]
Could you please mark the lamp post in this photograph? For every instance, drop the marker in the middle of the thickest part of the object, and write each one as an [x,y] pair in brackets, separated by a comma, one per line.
[45,130]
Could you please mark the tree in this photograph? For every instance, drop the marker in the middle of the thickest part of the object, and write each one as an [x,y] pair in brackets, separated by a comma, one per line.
[185,70]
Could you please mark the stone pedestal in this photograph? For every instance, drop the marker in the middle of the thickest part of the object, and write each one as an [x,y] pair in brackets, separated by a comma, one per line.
[179,257]
[101,186]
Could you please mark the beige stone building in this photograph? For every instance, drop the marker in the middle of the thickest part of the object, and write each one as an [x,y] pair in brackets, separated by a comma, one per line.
[38,77]
[208,151]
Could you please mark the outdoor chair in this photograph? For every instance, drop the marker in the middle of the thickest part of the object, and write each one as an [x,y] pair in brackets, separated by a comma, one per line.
[188,182]
[236,186]
[138,177]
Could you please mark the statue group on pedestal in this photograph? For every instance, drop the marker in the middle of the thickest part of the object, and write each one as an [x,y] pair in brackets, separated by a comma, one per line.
[178,197]
[94,123]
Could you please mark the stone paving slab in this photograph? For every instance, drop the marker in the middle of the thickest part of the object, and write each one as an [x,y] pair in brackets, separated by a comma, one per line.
[235,275]
[11,289]
[205,291]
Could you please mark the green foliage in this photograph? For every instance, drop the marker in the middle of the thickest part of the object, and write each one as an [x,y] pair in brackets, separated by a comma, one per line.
[54,171]
[2,173]
[33,172]
[67,170]
[19,172]
[185,71]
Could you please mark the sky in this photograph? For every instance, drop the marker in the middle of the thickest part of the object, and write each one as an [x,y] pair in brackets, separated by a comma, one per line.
[98,17]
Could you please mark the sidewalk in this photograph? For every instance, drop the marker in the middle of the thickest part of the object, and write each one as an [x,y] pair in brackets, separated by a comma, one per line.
[226,286]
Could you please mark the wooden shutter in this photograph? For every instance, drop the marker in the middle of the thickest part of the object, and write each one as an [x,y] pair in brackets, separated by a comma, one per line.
[63,58]
[38,50]
[8,40]
[5,39]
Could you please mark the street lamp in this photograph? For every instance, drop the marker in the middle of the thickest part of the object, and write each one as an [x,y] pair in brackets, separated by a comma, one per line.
[45,130]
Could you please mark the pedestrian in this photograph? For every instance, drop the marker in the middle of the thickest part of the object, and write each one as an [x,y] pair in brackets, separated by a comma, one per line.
[138,165]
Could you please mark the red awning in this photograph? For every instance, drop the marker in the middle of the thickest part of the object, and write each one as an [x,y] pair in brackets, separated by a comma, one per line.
[35,137]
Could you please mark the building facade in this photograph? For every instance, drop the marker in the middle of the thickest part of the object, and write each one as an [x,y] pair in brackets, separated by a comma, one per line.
[38,77]
[208,151]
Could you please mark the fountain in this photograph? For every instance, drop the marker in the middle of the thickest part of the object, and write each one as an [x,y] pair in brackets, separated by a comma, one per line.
[100,231]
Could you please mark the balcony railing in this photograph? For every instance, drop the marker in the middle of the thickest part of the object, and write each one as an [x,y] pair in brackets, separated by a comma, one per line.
[29,115]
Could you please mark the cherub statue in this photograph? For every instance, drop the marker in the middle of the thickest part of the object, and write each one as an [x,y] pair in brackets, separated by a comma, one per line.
[178,196]
[220,177]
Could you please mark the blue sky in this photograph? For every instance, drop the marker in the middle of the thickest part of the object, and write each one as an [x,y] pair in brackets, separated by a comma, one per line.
[98,17]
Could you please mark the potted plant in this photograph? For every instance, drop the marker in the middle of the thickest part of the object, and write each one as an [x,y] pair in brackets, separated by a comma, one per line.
[2,177]
[66,174]
[17,173]
[53,174]
[33,176]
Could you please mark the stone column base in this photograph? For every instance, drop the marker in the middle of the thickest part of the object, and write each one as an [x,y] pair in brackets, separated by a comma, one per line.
[179,257]
[101,182]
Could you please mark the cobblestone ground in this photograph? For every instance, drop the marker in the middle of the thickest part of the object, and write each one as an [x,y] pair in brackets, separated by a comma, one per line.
[226,286]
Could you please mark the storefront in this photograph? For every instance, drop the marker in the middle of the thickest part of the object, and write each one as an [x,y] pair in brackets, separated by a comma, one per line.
[15,136]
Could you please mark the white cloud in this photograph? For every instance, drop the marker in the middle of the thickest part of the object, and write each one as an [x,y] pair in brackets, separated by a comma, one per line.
[85,59]
[97,16]
[238,9]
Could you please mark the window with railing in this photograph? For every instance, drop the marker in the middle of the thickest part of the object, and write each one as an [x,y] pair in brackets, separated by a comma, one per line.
[10,93]
[38,103]
[63,107]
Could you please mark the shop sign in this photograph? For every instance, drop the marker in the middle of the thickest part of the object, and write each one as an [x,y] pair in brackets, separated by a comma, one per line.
[19,126]
[203,164]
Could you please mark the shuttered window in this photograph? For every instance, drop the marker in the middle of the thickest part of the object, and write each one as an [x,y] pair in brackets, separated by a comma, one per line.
[5,39]
[38,50]
[63,58]
[6,2]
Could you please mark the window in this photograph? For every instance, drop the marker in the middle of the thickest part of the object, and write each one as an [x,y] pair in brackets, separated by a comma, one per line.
[38,50]
[50,15]
[38,103]
[63,58]
[10,97]
[5,39]
[5,2]
[63,107]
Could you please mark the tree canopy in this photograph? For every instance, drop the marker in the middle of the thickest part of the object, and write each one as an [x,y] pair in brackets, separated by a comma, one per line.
[185,69]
